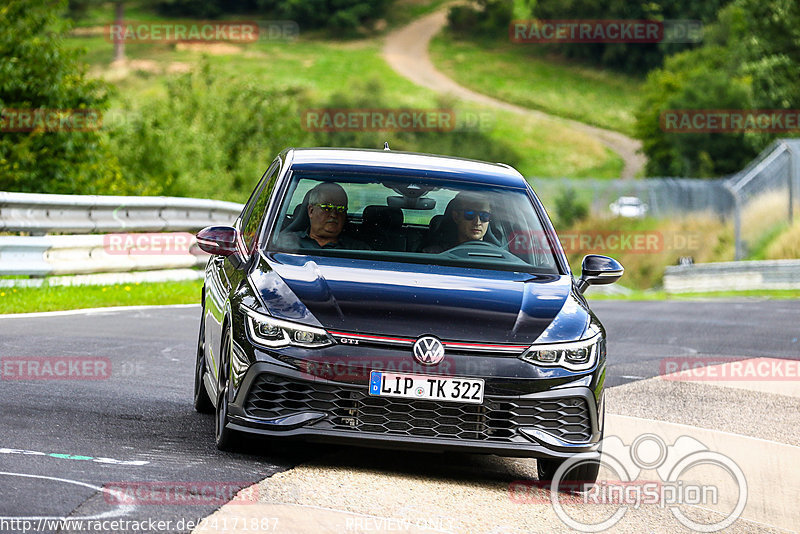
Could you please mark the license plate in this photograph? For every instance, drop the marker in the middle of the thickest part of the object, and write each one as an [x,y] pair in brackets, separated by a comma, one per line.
[448,389]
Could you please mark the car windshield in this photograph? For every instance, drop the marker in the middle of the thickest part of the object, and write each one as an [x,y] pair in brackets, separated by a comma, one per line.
[412,219]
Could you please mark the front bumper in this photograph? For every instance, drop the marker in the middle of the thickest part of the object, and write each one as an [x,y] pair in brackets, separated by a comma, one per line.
[274,400]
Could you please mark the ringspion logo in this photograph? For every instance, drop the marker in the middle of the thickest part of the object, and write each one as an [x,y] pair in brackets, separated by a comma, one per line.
[676,484]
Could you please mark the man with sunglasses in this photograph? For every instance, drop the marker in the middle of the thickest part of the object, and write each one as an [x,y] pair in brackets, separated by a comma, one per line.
[327,213]
[471,214]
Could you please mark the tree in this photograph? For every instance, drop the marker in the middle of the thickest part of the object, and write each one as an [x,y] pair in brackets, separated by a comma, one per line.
[628,57]
[39,72]
[749,60]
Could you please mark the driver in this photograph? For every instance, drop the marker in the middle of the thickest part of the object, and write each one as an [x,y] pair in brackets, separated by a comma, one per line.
[471,214]
[327,212]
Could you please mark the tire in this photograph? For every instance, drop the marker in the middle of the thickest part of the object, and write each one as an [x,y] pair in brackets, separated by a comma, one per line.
[585,471]
[224,438]
[202,402]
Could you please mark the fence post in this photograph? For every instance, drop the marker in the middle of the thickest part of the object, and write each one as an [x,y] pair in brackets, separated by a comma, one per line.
[737,222]
[794,178]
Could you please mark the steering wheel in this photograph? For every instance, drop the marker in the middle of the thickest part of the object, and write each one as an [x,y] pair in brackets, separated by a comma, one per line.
[477,242]
[481,248]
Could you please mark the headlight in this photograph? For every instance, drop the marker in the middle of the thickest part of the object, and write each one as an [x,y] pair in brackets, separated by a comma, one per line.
[576,356]
[274,332]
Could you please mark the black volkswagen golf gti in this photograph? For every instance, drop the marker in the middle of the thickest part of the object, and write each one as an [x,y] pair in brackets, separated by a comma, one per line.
[401,300]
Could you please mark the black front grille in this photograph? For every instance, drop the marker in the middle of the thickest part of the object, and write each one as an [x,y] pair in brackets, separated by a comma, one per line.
[353,409]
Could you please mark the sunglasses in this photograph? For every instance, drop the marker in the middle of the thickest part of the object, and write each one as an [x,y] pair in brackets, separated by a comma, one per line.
[333,208]
[470,215]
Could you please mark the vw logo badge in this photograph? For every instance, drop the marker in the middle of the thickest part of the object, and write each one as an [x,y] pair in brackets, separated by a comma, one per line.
[428,350]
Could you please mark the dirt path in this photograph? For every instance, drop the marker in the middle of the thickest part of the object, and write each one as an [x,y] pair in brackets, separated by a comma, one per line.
[406,51]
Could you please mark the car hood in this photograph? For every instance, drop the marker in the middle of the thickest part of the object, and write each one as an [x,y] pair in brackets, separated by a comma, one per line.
[409,300]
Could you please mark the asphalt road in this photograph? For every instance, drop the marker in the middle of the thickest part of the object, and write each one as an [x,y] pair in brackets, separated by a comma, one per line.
[138,425]
[141,413]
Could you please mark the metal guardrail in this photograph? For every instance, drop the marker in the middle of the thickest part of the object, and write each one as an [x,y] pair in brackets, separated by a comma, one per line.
[79,214]
[87,254]
[733,276]
[46,255]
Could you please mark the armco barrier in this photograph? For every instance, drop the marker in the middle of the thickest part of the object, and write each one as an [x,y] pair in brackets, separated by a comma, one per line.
[733,276]
[85,254]
[85,214]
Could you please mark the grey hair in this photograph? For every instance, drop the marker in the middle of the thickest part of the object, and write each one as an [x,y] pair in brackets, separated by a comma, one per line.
[316,195]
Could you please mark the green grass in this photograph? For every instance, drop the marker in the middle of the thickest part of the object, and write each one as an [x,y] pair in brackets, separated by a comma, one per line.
[662,295]
[758,251]
[522,75]
[45,298]
[102,14]
[325,67]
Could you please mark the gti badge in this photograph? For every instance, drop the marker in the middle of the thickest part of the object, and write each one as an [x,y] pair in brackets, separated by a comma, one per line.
[428,350]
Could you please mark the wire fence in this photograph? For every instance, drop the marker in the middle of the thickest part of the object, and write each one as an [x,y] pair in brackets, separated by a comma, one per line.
[760,197]
[663,197]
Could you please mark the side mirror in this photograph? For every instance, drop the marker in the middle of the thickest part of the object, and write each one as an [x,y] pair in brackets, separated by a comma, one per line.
[218,240]
[599,270]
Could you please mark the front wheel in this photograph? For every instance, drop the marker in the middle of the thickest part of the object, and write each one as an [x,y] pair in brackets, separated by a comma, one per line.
[585,471]
[224,437]
[202,402]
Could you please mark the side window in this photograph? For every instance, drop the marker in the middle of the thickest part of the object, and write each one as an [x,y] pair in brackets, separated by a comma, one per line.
[257,206]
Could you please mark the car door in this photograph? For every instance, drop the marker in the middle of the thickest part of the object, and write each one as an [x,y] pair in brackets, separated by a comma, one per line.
[224,274]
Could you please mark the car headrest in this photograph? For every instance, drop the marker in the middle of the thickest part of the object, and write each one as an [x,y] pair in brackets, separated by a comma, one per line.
[300,219]
[383,217]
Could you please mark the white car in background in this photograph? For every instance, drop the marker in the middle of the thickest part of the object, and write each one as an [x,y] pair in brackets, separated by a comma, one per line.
[632,207]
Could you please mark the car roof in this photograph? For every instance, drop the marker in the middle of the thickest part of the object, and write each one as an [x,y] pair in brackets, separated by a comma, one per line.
[406,163]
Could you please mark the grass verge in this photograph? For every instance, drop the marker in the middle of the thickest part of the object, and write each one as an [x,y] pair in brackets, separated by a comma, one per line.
[519,75]
[47,298]
[326,67]
[662,295]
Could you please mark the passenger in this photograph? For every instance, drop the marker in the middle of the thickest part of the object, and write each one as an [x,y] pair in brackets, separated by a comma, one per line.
[327,212]
[471,214]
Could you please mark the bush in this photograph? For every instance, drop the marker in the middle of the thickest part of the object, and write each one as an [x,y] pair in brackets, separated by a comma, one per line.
[462,143]
[569,210]
[485,18]
[750,60]
[344,16]
[214,137]
[210,137]
[39,72]
[627,57]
